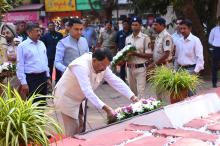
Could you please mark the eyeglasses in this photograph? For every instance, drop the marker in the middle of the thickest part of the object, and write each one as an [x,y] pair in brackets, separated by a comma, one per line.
[78,29]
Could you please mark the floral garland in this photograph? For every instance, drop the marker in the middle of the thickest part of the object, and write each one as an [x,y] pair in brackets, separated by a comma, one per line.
[7,66]
[121,55]
[140,107]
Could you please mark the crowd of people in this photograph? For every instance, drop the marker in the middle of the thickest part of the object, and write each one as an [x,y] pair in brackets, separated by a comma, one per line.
[81,57]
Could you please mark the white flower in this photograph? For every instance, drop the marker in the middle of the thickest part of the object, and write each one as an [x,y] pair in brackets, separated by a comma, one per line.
[1,69]
[120,54]
[120,116]
[137,107]
[155,103]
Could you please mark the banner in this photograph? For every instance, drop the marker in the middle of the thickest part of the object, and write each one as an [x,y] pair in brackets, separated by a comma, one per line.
[60,5]
[84,4]
[21,16]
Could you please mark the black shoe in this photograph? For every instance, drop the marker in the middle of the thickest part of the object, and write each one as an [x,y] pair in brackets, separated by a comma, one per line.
[214,86]
[104,83]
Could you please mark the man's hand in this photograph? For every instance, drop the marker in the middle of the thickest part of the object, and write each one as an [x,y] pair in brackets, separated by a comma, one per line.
[134,99]
[109,111]
[151,66]
[120,63]
[195,73]
[49,83]
[49,86]
[131,54]
[24,90]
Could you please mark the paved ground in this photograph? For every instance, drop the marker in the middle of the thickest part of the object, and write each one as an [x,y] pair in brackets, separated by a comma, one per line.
[97,118]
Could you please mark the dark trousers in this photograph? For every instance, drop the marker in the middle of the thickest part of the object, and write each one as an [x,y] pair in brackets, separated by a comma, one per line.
[122,72]
[51,65]
[37,83]
[215,64]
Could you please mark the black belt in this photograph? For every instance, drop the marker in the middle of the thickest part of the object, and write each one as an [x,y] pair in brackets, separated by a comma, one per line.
[36,74]
[136,65]
[187,66]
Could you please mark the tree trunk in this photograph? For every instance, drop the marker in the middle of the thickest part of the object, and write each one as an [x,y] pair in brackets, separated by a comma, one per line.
[94,11]
[108,13]
[188,11]
[211,20]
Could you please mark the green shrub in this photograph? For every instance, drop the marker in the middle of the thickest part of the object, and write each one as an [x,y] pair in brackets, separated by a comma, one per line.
[164,79]
[24,122]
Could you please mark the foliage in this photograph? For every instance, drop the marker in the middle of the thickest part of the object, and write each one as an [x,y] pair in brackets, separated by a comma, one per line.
[6,5]
[24,122]
[204,9]
[164,79]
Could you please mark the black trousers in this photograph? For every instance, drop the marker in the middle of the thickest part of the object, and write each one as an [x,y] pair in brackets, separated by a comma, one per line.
[37,82]
[122,72]
[51,65]
[215,64]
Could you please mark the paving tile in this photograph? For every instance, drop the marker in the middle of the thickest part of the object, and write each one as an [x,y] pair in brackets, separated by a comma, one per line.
[135,127]
[149,141]
[186,134]
[215,127]
[111,139]
[68,142]
[214,117]
[197,123]
[189,142]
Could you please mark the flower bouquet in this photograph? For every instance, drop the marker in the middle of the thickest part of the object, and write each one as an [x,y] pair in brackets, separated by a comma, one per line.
[140,107]
[121,55]
[7,69]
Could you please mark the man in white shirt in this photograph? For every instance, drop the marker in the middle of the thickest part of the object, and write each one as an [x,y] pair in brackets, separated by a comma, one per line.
[32,63]
[189,50]
[80,79]
[214,40]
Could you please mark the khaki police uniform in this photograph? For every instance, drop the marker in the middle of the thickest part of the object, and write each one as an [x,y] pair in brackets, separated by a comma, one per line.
[136,68]
[3,49]
[163,43]
[107,40]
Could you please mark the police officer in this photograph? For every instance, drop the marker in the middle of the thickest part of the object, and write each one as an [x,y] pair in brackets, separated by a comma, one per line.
[136,64]
[163,46]
[120,42]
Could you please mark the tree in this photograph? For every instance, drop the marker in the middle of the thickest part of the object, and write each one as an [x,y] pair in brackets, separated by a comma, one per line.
[201,12]
[107,6]
[6,5]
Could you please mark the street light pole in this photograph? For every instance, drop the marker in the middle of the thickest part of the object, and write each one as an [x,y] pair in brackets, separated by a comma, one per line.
[117,10]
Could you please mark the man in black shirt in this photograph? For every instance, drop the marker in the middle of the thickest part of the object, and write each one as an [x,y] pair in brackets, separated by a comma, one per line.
[120,41]
[50,40]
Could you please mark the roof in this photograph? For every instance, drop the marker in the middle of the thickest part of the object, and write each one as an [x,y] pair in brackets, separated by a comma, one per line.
[28,7]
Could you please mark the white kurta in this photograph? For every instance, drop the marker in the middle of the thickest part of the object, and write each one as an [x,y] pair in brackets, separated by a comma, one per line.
[79,82]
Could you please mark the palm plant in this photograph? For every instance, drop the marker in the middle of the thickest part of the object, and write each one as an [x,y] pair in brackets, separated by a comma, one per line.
[174,82]
[24,122]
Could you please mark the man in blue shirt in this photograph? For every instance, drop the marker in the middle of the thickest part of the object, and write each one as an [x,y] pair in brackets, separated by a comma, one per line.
[50,39]
[72,46]
[90,34]
[120,42]
[32,64]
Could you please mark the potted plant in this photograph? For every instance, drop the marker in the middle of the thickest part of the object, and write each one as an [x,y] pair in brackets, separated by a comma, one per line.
[24,123]
[175,83]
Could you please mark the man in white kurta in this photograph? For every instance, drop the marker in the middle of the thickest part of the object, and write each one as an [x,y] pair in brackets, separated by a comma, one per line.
[79,81]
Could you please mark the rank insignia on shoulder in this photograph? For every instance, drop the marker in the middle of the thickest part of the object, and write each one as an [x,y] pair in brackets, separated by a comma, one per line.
[167,42]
